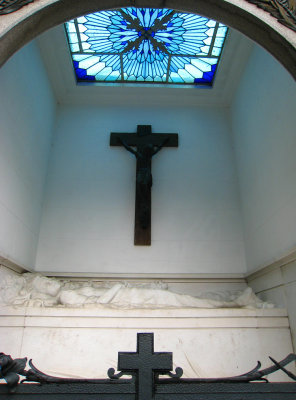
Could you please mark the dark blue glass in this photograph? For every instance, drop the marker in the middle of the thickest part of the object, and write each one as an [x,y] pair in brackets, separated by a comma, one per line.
[145,45]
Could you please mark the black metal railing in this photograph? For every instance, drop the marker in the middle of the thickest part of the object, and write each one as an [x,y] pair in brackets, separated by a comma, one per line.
[150,378]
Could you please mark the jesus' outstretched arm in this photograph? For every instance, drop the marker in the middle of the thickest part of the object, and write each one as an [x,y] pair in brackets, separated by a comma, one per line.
[128,148]
[161,146]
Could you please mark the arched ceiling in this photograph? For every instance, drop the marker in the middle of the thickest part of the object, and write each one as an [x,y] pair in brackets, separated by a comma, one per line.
[19,27]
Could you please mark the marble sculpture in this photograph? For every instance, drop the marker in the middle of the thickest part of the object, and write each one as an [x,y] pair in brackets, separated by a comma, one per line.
[35,290]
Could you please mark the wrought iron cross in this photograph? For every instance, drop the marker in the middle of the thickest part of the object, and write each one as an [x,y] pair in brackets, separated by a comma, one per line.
[147,145]
[144,362]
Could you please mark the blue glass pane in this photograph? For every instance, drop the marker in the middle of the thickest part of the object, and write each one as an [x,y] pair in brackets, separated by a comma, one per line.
[145,45]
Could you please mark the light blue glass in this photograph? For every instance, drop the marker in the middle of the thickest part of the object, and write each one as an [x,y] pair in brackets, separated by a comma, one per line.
[145,45]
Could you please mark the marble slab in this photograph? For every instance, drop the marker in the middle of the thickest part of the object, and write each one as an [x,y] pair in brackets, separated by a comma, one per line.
[205,342]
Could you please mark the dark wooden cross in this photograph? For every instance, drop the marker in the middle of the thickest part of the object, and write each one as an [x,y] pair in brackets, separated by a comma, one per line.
[144,362]
[147,145]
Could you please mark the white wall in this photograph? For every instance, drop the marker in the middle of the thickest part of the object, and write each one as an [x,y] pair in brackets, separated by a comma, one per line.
[88,216]
[264,120]
[277,284]
[27,110]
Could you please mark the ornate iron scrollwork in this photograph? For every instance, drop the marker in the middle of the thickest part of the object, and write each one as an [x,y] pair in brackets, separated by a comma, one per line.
[9,6]
[10,369]
[283,10]
[144,366]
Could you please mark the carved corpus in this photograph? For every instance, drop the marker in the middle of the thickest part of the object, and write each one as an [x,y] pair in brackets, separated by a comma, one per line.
[144,145]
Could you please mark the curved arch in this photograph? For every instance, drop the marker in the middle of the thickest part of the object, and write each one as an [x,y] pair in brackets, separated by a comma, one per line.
[24,25]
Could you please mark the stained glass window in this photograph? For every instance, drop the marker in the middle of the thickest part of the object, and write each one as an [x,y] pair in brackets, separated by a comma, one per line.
[145,45]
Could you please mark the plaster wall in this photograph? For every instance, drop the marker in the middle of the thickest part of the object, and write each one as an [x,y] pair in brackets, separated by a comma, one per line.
[263,124]
[27,111]
[88,216]
[277,284]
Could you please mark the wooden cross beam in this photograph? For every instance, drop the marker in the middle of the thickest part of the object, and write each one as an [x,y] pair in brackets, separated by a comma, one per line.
[147,144]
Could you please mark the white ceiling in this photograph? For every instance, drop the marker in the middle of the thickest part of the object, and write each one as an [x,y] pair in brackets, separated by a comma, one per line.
[56,56]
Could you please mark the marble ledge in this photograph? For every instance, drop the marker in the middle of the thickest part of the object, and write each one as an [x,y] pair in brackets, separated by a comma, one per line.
[143,319]
[102,311]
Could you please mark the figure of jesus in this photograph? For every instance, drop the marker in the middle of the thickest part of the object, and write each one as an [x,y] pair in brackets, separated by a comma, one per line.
[144,153]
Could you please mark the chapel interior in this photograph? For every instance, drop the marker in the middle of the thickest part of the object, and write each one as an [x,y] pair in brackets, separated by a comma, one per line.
[223,202]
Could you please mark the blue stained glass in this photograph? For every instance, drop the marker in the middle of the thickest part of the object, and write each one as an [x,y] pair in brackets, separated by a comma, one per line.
[216,51]
[145,45]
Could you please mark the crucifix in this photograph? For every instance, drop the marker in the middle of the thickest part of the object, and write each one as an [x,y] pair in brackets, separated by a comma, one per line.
[144,362]
[143,145]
